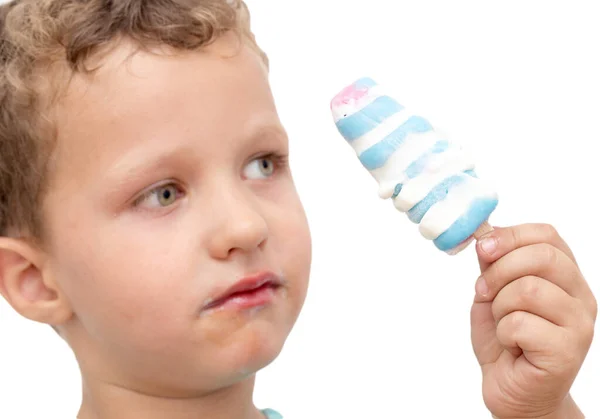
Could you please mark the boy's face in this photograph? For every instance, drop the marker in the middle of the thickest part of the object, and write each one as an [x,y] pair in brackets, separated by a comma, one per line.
[166,190]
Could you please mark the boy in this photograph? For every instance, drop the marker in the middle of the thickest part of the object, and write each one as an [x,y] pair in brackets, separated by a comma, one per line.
[148,214]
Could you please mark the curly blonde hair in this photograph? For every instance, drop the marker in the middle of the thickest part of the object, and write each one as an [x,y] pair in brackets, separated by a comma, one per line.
[41,41]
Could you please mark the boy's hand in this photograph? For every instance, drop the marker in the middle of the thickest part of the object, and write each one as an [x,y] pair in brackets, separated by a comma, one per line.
[531,324]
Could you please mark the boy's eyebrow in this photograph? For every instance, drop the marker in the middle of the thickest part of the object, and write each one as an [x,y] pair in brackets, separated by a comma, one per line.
[137,164]
[274,131]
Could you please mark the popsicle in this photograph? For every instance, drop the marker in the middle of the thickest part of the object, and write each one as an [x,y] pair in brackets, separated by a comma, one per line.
[430,179]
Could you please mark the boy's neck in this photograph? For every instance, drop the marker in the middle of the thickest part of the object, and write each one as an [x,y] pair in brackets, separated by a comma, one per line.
[107,401]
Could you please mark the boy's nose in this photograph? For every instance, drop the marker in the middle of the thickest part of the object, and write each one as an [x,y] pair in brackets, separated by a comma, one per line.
[239,225]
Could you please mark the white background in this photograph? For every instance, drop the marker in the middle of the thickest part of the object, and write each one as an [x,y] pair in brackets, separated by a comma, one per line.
[385,329]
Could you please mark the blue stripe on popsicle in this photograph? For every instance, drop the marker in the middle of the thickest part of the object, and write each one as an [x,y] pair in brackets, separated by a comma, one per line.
[369,117]
[438,193]
[467,224]
[376,156]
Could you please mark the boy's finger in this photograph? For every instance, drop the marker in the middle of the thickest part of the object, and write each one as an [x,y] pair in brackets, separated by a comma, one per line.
[504,240]
[540,297]
[541,260]
[544,344]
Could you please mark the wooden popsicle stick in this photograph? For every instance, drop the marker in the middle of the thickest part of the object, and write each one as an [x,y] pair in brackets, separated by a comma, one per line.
[483,229]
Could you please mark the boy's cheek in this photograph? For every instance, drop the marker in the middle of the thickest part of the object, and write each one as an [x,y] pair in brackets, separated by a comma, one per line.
[108,293]
[293,247]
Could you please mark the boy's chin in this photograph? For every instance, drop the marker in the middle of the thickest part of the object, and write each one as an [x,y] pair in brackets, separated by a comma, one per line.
[246,350]
[257,354]
[195,377]
[256,334]
[234,368]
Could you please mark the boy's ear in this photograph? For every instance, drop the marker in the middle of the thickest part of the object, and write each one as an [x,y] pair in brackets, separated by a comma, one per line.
[27,287]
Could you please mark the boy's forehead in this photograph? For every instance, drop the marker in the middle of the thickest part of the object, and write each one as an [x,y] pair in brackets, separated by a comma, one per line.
[126,72]
[131,85]
[146,98]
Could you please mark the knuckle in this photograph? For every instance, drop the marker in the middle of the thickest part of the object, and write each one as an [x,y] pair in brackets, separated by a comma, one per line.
[529,289]
[515,320]
[587,332]
[509,327]
[548,232]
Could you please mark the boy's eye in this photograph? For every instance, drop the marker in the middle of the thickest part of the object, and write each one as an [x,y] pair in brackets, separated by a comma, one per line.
[167,195]
[159,197]
[260,168]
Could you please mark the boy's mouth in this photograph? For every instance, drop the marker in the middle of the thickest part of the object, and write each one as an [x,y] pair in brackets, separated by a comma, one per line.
[251,291]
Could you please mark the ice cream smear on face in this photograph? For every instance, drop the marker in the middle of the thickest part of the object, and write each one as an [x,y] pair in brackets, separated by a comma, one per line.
[427,177]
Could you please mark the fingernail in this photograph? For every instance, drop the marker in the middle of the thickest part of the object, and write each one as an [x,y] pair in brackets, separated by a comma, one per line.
[488,245]
[481,287]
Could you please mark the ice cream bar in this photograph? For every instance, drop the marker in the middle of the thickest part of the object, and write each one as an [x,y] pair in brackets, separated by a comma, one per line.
[430,179]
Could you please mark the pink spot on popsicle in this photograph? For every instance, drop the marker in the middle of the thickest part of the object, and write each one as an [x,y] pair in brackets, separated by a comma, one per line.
[348,95]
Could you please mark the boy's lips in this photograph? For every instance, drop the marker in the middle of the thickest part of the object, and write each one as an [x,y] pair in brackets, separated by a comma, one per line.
[251,291]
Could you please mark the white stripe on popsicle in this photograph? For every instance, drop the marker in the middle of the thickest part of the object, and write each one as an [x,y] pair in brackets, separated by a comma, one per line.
[392,172]
[380,132]
[454,162]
